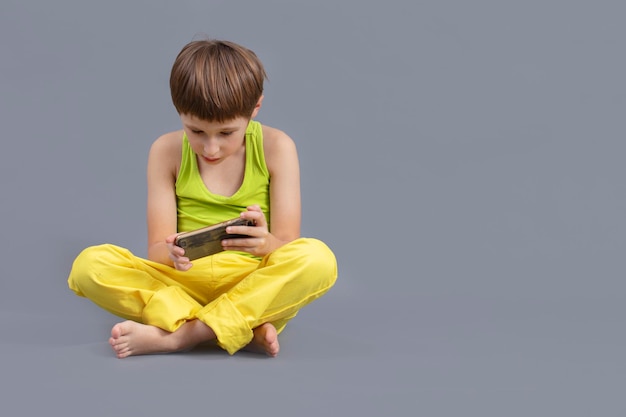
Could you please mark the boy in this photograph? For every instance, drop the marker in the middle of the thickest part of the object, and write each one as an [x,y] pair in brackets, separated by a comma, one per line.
[221,165]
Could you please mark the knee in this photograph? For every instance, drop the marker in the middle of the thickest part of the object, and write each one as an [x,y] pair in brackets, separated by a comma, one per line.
[88,267]
[80,274]
[319,259]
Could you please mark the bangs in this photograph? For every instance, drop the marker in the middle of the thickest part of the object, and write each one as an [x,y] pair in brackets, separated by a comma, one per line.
[216,80]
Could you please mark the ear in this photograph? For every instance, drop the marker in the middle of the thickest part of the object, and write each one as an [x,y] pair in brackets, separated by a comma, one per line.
[257,107]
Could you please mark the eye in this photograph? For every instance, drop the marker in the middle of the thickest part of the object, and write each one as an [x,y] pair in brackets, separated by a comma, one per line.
[196,132]
[226,133]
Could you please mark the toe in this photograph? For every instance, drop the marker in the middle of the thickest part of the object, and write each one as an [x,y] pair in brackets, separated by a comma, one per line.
[116,331]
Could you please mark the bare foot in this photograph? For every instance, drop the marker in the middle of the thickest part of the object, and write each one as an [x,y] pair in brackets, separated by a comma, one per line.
[265,340]
[132,338]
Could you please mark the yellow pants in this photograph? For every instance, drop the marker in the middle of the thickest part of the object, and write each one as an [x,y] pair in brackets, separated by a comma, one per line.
[229,292]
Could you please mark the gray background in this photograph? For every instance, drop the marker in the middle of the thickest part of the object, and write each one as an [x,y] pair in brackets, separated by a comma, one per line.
[464,159]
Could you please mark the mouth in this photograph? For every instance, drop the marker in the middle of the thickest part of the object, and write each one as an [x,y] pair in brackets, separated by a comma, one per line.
[210,160]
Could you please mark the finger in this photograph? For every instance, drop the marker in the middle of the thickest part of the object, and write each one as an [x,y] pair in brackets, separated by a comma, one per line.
[255,231]
[242,244]
[177,253]
[257,216]
[171,238]
[174,255]
[252,250]
[185,267]
[175,250]
[182,264]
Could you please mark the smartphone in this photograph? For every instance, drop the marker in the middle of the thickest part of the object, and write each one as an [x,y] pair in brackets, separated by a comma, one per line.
[208,240]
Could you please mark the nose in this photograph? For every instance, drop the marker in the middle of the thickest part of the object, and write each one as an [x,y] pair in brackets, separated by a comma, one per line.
[211,147]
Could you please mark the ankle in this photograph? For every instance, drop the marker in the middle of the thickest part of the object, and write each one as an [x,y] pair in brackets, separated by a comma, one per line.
[190,334]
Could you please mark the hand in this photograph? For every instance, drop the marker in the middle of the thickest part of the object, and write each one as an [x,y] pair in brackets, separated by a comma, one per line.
[258,244]
[177,254]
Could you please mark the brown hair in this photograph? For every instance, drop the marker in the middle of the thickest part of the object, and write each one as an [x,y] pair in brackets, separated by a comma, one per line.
[216,80]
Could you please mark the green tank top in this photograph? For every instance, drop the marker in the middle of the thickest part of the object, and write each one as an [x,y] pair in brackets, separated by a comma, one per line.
[198,207]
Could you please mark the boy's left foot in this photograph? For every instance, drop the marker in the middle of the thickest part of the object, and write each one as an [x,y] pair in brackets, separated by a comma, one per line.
[265,340]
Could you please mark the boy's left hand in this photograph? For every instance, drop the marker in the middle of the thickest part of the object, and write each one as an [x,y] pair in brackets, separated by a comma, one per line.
[258,244]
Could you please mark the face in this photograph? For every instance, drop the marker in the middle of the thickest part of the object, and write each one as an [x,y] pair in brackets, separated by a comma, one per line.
[214,142]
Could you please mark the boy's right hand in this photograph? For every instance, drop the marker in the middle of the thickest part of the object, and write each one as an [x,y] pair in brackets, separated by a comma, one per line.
[177,254]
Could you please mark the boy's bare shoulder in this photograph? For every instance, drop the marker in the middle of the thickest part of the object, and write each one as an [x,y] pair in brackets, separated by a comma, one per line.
[168,141]
[278,148]
[166,150]
[276,140]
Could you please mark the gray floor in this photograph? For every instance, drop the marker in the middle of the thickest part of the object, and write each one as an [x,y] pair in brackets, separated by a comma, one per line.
[463,159]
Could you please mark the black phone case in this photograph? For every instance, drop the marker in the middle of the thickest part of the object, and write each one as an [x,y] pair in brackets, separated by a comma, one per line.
[208,240]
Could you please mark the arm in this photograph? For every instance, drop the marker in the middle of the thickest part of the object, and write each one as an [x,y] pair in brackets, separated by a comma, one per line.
[163,163]
[285,207]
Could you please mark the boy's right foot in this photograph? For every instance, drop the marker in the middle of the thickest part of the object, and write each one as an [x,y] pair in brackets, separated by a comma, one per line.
[131,338]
